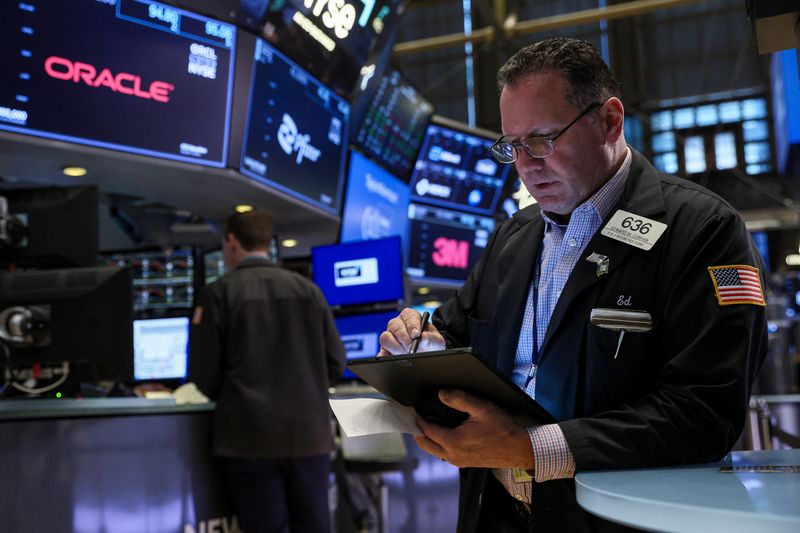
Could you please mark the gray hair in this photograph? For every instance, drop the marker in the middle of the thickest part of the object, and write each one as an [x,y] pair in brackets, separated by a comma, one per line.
[589,78]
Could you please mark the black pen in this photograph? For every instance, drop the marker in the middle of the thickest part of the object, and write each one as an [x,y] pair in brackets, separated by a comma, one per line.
[415,341]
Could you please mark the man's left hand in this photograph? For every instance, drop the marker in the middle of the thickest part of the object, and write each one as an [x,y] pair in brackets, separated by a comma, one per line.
[488,438]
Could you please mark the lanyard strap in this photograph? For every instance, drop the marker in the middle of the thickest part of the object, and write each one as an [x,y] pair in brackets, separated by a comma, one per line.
[535,302]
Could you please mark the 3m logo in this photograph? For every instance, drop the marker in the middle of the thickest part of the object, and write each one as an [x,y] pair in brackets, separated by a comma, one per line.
[292,141]
[124,83]
[450,253]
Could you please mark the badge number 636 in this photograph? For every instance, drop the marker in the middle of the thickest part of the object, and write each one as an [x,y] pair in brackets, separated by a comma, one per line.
[636,224]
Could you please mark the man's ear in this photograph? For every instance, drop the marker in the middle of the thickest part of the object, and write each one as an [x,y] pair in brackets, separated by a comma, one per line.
[612,116]
[232,241]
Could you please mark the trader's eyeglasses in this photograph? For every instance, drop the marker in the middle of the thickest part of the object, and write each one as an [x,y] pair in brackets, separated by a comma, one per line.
[507,150]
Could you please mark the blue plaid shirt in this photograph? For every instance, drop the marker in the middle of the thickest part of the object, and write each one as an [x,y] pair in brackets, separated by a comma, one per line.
[562,248]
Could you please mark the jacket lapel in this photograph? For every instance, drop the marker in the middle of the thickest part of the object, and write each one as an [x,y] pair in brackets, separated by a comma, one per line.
[517,264]
[642,196]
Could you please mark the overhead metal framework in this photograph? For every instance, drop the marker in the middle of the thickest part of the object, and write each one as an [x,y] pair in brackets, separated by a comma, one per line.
[512,28]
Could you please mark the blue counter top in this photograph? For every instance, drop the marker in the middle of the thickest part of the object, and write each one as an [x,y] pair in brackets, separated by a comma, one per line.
[699,497]
[38,408]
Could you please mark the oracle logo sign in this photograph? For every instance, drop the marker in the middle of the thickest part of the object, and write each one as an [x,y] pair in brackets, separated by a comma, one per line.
[450,253]
[64,69]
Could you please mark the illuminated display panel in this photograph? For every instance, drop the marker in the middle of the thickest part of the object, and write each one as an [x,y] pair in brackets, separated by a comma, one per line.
[160,348]
[360,335]
[454,169]
[128,75]
[356,273]
[393,123]
[162,279]
[332,39]
[296,134]
[376,203]
[444,245]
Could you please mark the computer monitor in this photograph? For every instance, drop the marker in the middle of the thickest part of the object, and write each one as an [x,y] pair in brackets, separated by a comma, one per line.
[357,273]
[81,315]
[454,168]
[360,335]
[55,227]
[375,204]
[160,348]
[333,40]
[296,131]
[163,278]
[160,84]
[391,118]
[444,245]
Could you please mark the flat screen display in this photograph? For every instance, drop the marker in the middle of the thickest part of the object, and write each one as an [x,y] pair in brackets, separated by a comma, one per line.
[444,245]
[163,279]
[359,272]
[333,39]
[360,335]
[454,169]
[160,348]
[129,75]
[376,203]
[296,132]
[393,122]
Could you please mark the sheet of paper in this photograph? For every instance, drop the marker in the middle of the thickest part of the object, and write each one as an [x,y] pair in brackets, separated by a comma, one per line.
[368,416]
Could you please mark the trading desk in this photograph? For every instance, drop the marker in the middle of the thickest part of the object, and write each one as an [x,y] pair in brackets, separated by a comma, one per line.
[699,497]
[110,464]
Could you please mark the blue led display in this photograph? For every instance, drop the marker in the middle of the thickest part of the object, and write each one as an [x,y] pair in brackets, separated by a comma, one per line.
[376,202]
[454,169]
[359,272]
[361,333]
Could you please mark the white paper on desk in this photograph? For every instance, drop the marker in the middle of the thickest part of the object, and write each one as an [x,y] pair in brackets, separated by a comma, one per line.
[368,416]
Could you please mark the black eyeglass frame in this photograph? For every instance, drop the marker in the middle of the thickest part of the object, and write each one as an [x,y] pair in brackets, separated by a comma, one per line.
[549,139]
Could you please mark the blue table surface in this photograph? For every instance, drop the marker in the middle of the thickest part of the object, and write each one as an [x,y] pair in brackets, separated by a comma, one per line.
[699,497]
[68,407]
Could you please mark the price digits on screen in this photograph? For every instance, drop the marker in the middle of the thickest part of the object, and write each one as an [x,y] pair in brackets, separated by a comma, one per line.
[340,15]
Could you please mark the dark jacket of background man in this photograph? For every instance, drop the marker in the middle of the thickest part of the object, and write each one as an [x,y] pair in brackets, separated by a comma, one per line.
[266,349]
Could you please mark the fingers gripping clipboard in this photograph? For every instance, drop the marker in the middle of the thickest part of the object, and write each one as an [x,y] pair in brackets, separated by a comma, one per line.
[415,379]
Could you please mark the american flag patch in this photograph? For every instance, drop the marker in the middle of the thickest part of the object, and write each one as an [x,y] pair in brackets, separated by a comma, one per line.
[737,284]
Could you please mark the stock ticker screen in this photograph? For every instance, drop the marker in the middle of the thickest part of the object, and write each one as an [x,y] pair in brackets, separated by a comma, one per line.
[376,203]
[454,169]
[333,39]
[444,245]
[296,132]
[129,75]
[393,122]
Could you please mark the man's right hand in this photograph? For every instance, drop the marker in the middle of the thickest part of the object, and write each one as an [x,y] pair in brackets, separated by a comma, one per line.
[401,331]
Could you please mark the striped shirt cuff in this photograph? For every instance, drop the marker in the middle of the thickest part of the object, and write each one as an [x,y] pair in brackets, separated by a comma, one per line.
[553,457]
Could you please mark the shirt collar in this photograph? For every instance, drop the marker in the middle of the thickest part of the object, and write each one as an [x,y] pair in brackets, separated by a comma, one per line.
[604,199]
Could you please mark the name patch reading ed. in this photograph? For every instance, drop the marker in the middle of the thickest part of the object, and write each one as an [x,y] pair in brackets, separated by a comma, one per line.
[633,229]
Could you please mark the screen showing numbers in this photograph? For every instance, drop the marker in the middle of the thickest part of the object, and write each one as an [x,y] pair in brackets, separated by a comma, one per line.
[296,132]
[332,39]
[130,75]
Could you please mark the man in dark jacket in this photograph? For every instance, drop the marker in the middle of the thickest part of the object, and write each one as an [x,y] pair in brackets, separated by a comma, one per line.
[264,346]
[612,241]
